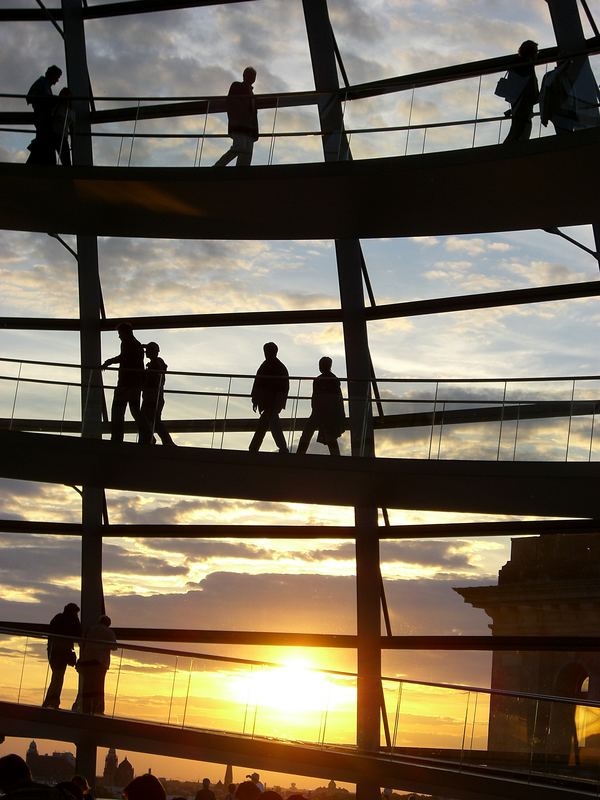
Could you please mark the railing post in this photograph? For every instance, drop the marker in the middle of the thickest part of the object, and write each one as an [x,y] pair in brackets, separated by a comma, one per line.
[14,405]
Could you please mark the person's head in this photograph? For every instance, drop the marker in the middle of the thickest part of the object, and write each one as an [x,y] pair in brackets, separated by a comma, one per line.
[145,787]
[104,620]
[206,783]
[528,49]
[152,350]
[65,92]
[81,783]
[125,330]
[249,75]
[247,790]
[325,364]
[71,609]
[53,74]
[270,350]
[14,772]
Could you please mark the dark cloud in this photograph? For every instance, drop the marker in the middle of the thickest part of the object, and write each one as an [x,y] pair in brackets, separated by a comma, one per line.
[426,553]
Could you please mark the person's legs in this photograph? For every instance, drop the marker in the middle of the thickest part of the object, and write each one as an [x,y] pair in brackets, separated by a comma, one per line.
[226,157]
[134,396]
[307,435]
[245,150]
[259,435]
[52,698]
[160,427]
[117,414]
[241,148]
[148,419]
[277,431]
[520,129]
[334,448]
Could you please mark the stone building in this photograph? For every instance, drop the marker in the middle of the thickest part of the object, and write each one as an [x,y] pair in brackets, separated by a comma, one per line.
[549,587]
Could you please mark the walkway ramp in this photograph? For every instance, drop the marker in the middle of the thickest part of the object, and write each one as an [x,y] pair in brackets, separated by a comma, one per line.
[526,185]
[428,776]
[526,487]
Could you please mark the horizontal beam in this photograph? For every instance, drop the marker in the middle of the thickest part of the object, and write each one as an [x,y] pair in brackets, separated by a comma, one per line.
[528,185]
[341,641]
[412,308]
[448,530]
[98,11]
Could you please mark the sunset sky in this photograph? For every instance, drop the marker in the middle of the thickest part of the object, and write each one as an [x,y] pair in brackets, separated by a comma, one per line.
[287,585]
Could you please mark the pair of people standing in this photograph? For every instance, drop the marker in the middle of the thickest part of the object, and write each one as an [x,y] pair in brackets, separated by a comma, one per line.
[93,663]
[137,385]
[269,396]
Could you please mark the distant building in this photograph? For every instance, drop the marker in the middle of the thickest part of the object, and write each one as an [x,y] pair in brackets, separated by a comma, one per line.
[124,773]
[50,768]
[116,774]
[111,763]
[549,587]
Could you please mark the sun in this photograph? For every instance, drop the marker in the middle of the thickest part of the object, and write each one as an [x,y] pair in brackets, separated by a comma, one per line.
[295,686]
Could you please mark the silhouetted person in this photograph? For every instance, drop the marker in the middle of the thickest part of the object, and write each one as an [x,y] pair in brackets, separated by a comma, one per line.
[205,793]
[61,652]
[16,782]
[62,123]
[129,383]
[255,778]
[231,791]
[327,416]
[93,664]
[269,396]
[521,108]
[153,399]
[567,101]
[247,790]
[145,787]
[42,101]
[242,121]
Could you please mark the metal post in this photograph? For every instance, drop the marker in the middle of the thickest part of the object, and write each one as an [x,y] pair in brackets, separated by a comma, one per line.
[349,263]
[90,303]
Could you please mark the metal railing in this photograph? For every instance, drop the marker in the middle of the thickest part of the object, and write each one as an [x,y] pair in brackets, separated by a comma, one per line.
[491,419]
[290,131]
[532,734]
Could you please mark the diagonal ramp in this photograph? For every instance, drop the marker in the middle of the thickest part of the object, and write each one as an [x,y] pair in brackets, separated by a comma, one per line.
[525,185]
[526,487]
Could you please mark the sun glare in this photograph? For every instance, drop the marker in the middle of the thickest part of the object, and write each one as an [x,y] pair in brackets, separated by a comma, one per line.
[292,687]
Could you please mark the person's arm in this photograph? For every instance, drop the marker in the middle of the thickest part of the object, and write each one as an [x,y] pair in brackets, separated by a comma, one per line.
[109,361]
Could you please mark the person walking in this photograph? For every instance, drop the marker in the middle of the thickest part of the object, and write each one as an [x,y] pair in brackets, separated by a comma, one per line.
[61,652]
[42,100]
[129,382]
[327,415]
[523,101]
[93,664]
[153,400]
[242,120]
[269,395]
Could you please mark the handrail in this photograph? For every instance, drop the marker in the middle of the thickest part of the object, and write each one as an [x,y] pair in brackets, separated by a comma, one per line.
[508,379]
[277,665]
